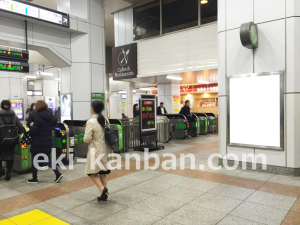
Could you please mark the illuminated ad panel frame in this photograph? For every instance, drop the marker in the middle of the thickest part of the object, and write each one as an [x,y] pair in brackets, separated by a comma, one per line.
[256,110]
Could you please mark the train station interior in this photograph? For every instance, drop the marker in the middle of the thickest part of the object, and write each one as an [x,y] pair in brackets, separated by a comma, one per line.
[158,112]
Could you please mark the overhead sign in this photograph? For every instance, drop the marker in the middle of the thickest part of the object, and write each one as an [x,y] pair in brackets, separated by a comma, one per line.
[98,97]
[124,62]
[35,12]
[34,93]
[14,53]
[14,66]
[248,35]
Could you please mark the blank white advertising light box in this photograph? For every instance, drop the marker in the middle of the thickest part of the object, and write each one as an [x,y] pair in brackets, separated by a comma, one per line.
[255,110]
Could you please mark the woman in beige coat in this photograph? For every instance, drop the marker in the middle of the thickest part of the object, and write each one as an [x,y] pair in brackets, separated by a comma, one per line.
[95,137]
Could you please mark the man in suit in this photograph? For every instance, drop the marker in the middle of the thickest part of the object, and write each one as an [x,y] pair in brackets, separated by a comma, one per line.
[161,110]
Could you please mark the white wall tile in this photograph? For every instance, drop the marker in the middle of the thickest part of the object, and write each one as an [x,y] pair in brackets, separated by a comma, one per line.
[292,54]
[221,16]
[129,30]
[4,74]
[65,80]
[14,75]
[81,110]
[5,88]
[169,103]
[292,8]
[97,44]
[293,130]
[222,63]
[122,28]
[239,151]
[73,23]
[116,29]
[238,12]
[15,88]
[222,118]
[98,78]
[63,52]
[80,48]
[79,8]
[83,26]
[267,10]
[239,58]
[81,81]
[63,6]
[161,89]
[274,158]
[270,54]
[96,12]
[168,89]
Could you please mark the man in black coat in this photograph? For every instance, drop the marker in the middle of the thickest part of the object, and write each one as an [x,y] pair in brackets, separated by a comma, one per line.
[161,110]
[186,110]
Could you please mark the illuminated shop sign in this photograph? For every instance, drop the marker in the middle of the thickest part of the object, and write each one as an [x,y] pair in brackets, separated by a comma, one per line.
[34,11]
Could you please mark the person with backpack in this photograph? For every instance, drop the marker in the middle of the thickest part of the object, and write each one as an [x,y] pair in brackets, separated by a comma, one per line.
[10,128]
[95,138]
[41,133]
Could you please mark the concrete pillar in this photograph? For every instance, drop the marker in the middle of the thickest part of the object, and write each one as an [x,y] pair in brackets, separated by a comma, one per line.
[129,99]
[166,93]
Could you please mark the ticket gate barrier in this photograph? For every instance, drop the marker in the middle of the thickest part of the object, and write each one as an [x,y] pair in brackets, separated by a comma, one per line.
[203,120]
[62,141]
[164,129]
[193,121]
[77,140]
[22,153]
[181,125]
[211,122]
[117,126]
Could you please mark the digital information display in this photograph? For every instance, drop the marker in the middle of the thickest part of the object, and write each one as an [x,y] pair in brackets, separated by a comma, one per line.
[34,93]
[66,107]
[36,12]
[17,107]
[14,53]
[148,117]
[14,66]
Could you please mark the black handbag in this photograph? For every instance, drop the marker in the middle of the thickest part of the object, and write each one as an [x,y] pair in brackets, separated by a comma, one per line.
[110,136]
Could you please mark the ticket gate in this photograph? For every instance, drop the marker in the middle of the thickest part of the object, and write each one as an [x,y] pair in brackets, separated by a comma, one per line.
[77,141]
[203,123]
[211,122]
[181,125]
[22,154]
[62,141]
[117,126]
[164,129]
[193,121]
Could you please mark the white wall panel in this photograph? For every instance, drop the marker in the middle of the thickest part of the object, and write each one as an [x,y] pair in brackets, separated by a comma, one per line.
[129,26]
[80,48]
[239,151]
[238,12]
[292,8]
[98,82]
[270,54]
[202,46]
[292,54]
[267,10]
[65,80]
[221,15]
[15,88]
[222,118]
[116,29]
[83,26]
[79,8]
[239,59]
[97,12]
[81,110]
[63,6]
[274,158]
[63,52]
[5,88]
[122,28]
[81,81]
[4,74]
[14,75]
[222,63]
[293,130]
[98,43]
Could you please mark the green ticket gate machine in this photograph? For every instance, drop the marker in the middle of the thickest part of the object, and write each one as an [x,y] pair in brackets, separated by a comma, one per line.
[193,121]
[78,129]
[62,141]
[181,125]
[203,123]
[22,155]
[117,126]
[211,122]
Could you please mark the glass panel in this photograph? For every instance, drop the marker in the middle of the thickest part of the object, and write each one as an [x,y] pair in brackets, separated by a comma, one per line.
[146,20]
[179,14]
[209,11]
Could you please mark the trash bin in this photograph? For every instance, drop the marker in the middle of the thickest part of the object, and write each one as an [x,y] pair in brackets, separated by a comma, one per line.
[203,123]
[211,122]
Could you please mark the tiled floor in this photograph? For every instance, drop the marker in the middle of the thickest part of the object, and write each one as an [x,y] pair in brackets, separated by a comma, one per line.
[160,197]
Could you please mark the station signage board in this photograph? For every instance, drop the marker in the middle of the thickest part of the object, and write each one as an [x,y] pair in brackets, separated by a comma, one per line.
[14,53]
[14,66]
[124,62]
[148,115]
[98,97]
[34,11]
[17,107]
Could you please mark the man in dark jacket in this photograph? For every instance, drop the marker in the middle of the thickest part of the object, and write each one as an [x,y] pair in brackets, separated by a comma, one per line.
[161,110]
[185,110]
[41,132]
[8,154]
[32,114]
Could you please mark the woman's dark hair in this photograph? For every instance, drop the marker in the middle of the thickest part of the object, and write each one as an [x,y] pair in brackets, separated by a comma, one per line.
[98,108]
[41,106]
[5,105]
[187,101]
[31,107]
[134,106]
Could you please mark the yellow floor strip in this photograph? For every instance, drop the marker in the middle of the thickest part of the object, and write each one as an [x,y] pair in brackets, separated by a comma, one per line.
[36,217]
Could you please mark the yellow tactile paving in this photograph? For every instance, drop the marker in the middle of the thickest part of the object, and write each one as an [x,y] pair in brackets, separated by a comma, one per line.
[36,217]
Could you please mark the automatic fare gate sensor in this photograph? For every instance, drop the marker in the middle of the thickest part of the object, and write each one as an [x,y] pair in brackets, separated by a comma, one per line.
[248,35]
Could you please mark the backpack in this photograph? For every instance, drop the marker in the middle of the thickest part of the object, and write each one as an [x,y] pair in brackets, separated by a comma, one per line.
[9,136]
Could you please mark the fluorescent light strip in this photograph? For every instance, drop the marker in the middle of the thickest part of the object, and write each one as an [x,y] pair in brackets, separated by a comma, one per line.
[45,74]
[145,89]
[203,82]
[31,77]
[174,78]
